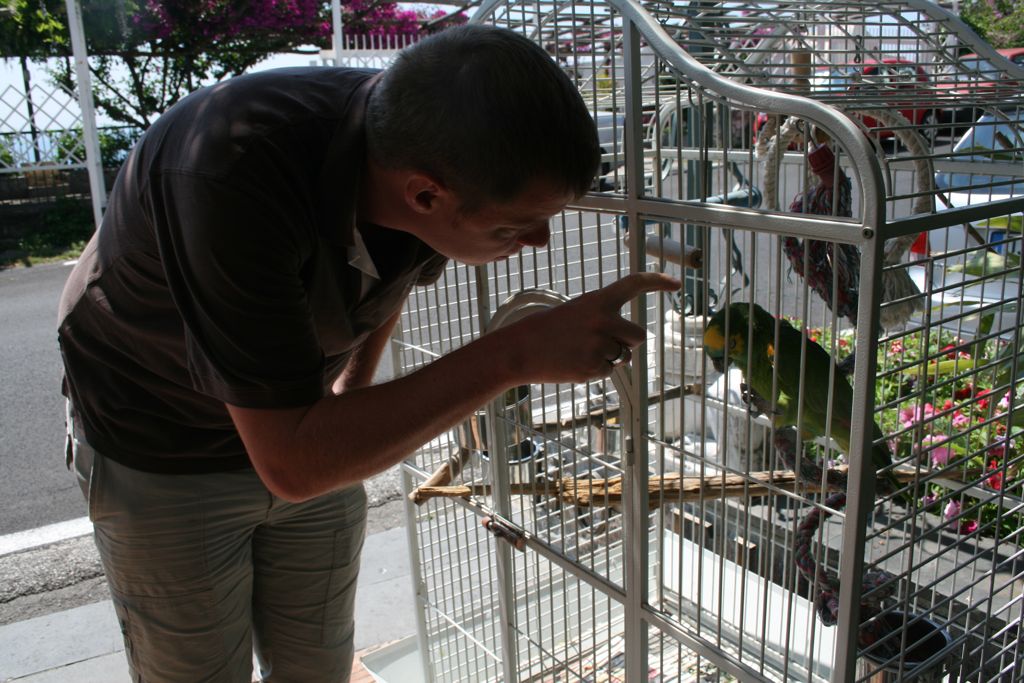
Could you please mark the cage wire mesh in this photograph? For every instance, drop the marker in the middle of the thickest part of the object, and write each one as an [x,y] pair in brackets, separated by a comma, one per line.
[839,185]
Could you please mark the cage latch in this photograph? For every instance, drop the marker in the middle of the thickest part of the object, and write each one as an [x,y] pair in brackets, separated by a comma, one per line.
[505,531]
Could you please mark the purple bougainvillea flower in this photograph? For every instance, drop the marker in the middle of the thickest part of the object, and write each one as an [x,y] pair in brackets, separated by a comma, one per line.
[952,509]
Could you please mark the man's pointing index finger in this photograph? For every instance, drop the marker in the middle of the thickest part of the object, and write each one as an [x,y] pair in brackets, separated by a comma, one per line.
[621,291]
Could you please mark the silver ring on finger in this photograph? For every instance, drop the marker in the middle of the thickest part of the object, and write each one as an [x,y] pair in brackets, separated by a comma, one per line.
[622,357]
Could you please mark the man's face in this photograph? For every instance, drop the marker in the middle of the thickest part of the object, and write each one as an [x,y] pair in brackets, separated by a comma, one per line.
[497,231]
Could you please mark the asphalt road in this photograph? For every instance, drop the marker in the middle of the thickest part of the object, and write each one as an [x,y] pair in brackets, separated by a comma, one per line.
[35,487]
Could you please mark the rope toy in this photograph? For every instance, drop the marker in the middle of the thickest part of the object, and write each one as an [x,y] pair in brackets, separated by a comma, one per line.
[828,261]
[876,585]
[830,197]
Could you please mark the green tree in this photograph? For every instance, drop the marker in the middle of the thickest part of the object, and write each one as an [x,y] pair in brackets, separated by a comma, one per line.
[145,55]
[30,28]
[999,22]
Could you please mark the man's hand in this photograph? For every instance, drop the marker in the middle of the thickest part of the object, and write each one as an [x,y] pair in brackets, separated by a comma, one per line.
[580,339]
[303,452]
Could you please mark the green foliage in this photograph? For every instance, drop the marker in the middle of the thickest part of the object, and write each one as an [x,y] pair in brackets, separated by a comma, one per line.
[948,405]
[6,153]
[115,144]
[68,225]
[32,28]
[146,55]
[999,22]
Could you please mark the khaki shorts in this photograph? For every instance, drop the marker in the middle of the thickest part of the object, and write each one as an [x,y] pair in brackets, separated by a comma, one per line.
[207,569]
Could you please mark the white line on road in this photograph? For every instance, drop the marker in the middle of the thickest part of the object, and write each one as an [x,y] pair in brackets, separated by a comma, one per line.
[44,535]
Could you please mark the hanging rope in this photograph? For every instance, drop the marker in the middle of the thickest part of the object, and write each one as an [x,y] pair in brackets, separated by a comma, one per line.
[827,261]
[876,585]
[897,286]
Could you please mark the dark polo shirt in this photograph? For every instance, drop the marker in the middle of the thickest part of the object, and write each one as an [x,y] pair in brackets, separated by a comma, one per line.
[221,271]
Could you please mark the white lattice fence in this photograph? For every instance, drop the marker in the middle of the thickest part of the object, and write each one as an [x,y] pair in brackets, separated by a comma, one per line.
[39,129]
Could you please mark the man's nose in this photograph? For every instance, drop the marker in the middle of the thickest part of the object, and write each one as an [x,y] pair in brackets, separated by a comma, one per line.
[536,236]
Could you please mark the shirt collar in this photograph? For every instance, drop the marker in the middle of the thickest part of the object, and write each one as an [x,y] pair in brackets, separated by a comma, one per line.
[343,167]
[359,257]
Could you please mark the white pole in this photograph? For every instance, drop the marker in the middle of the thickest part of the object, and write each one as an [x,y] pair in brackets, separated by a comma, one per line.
[94,165]
[336,23]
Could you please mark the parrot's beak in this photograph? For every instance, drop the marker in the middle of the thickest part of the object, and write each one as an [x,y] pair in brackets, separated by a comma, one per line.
[718,363]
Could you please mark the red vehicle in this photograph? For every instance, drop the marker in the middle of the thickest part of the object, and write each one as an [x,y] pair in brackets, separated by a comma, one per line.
[977,78]
[908,79]
[974,72]
[873,84]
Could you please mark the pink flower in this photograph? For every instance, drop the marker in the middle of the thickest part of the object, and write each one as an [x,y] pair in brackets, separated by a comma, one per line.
[940,455]
[911,416]
[952,509]
[929,500]
[960,420]
[968,526]
[1004,402]
[907,416]
[896,347]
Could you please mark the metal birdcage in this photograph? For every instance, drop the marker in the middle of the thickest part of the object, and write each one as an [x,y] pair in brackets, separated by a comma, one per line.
[856,170]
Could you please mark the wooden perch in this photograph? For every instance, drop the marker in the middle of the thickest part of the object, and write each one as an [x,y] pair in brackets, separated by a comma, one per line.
[674,252]
[444,474]
[603,492]
[671,488]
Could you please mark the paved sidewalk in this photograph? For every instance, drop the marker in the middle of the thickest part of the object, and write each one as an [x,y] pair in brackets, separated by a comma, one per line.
[84,644]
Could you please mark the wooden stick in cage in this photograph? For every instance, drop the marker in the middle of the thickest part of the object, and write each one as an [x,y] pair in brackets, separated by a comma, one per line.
[672,251]
[451,468]
[671,488]
[444,474]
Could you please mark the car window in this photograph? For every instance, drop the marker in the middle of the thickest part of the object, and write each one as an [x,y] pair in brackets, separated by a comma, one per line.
[1003,141]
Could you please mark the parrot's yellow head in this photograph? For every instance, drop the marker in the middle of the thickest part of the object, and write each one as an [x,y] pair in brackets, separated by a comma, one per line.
[717,348]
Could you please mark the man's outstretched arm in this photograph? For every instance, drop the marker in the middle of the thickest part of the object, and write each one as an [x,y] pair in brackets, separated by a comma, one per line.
[362,365]
[300,453]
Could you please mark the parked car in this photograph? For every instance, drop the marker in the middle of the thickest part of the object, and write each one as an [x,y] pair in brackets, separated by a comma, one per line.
[882,81]
[610,133]
[978,78]
[993,139]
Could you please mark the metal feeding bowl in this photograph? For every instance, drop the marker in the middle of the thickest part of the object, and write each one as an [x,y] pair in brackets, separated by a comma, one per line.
[474,433]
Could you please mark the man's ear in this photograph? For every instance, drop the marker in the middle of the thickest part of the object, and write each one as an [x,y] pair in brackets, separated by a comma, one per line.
[425,195]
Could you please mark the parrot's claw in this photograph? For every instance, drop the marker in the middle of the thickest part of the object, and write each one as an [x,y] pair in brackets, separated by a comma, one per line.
[755,401]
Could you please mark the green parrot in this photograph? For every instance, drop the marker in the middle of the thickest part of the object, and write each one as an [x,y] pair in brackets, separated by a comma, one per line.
[752,347]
